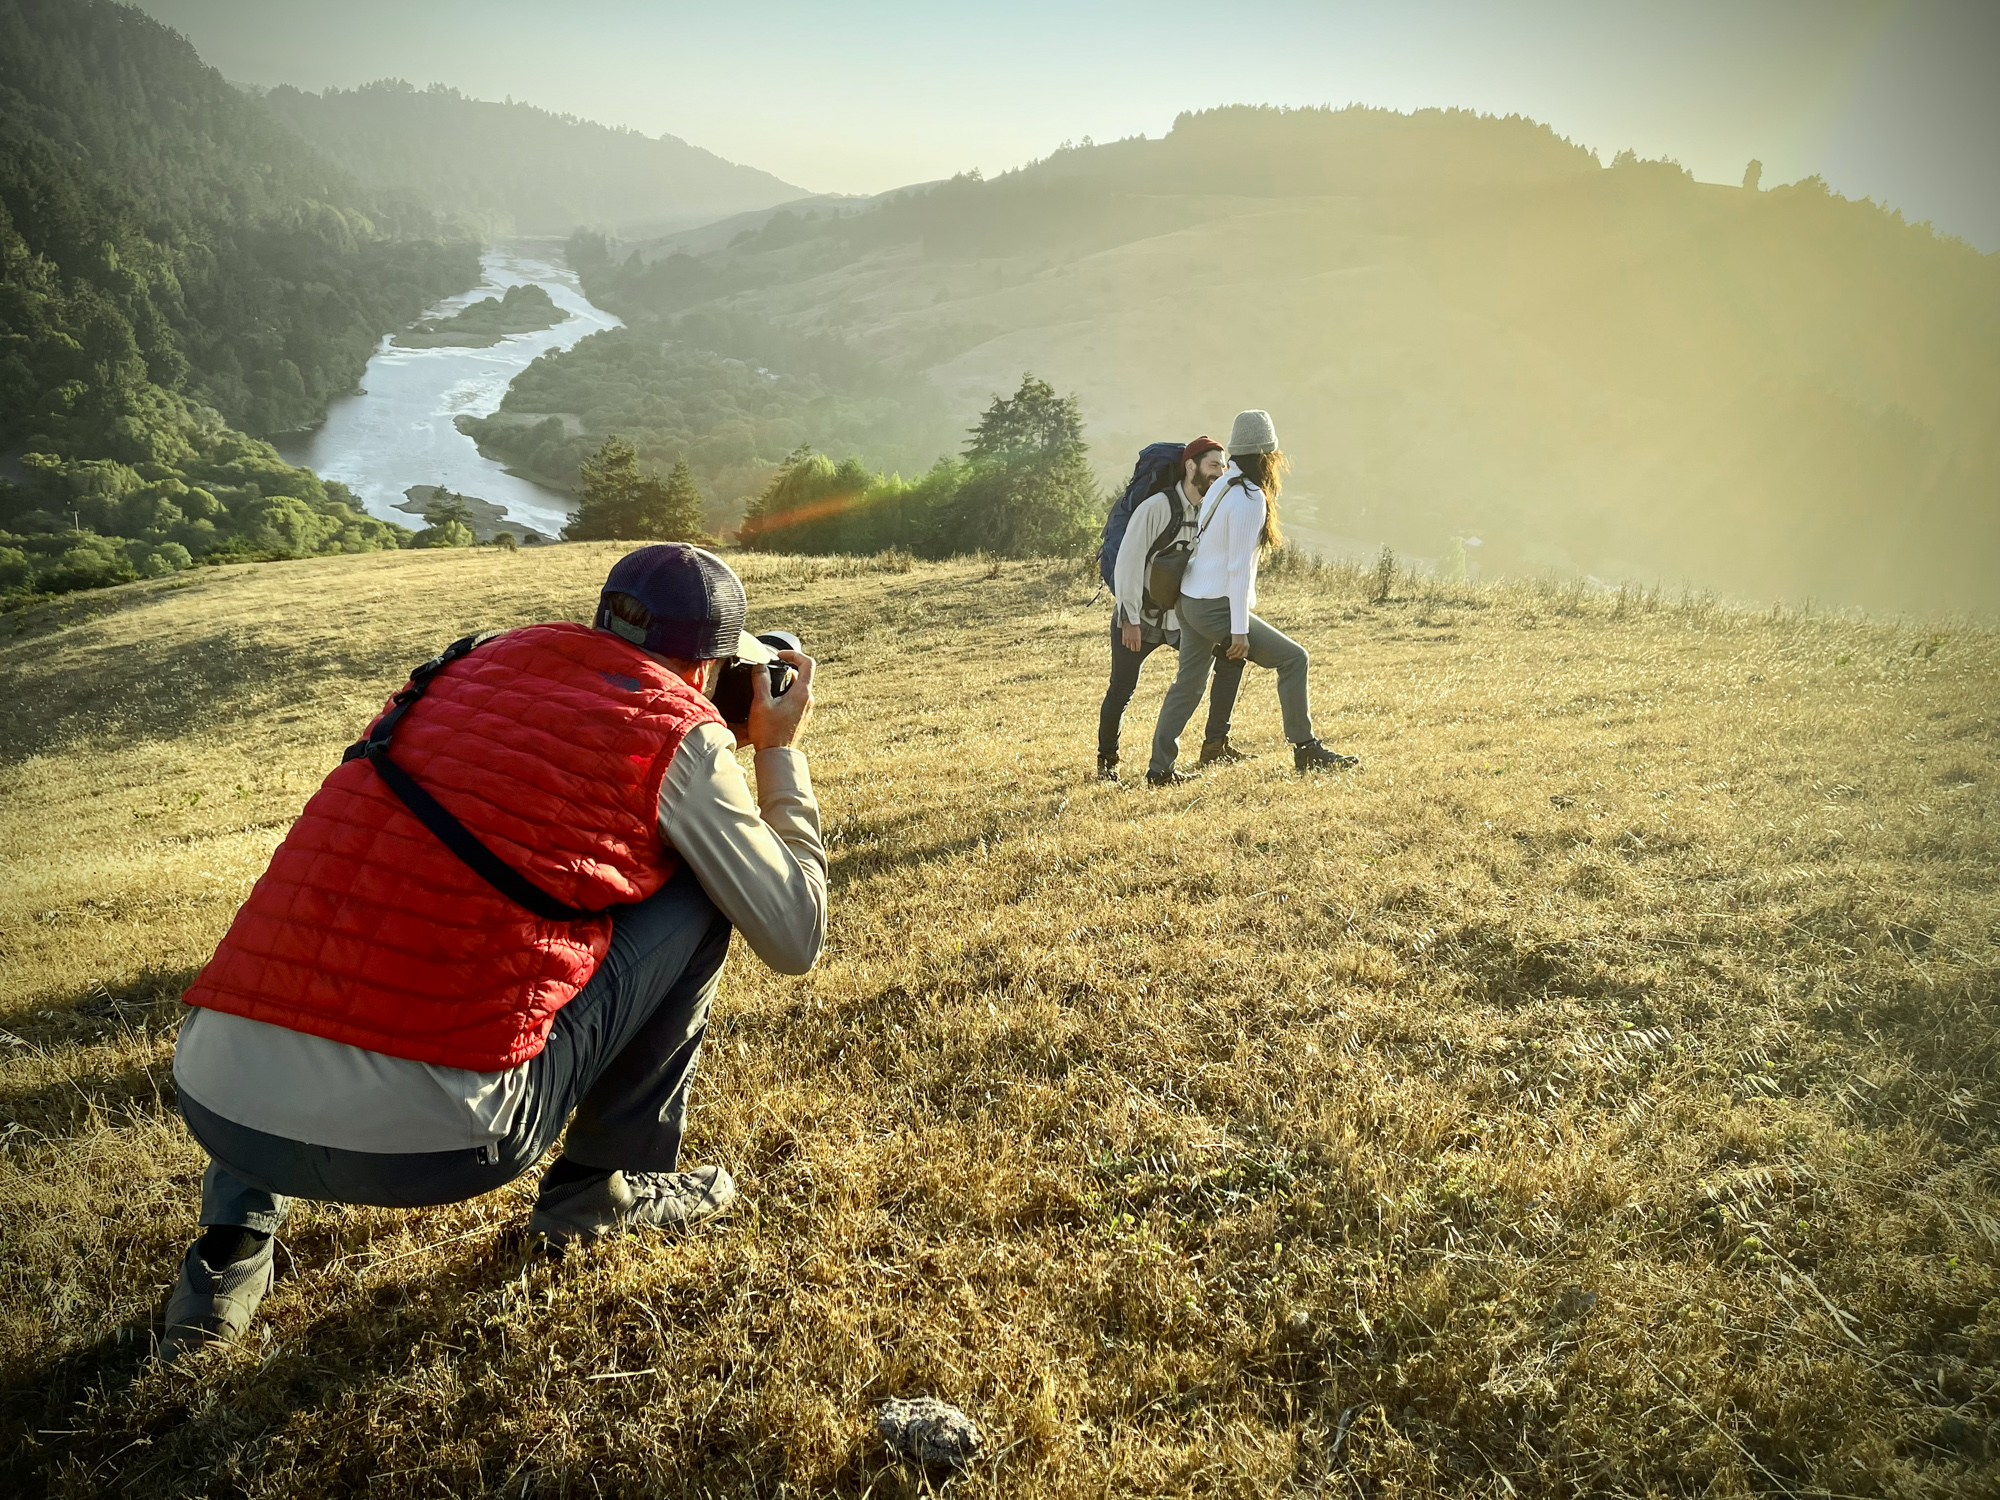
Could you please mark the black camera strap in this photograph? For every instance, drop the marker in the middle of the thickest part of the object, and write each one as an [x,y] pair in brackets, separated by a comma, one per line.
[433,814]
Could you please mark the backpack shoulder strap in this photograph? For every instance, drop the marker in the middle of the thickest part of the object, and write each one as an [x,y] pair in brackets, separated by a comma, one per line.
[418,685]
[1235,480]
[1177,518]
[433,814]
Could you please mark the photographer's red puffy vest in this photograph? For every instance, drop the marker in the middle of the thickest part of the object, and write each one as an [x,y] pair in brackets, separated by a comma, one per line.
[549,743]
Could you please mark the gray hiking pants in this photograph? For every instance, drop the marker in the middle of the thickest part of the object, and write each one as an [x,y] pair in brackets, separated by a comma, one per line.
[621,1056]
[1204,628]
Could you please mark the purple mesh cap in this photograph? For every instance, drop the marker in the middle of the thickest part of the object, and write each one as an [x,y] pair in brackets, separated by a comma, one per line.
[695,600]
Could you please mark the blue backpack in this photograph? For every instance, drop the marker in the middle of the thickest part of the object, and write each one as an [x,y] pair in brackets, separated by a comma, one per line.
[1159,466]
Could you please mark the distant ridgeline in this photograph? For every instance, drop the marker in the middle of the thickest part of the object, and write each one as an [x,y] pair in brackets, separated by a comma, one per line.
[513,169]
[523,309]
[179,277]
[1465,327]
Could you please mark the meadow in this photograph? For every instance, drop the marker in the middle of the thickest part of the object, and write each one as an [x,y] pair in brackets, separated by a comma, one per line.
[1594,1094]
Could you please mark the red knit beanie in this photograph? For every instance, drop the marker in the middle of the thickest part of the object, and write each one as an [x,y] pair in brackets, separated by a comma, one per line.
[1204,444]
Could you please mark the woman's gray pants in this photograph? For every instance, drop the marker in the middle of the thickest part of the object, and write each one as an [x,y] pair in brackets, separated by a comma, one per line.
[1204,627]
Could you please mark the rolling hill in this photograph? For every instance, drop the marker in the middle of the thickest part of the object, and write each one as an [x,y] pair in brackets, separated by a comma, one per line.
[1465,326]
[510,168]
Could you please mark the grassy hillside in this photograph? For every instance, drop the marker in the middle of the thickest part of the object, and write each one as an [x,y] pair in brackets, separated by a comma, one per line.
[1465,326]
[1592,1095]
[514,169]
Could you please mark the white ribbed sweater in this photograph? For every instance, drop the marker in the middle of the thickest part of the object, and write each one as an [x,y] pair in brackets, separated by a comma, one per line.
[1224,565]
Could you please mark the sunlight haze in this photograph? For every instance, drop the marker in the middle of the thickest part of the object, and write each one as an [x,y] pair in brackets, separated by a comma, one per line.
[1885,100]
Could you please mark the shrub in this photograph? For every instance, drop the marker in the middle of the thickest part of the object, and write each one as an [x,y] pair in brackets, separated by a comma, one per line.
[17,574]
[446,534]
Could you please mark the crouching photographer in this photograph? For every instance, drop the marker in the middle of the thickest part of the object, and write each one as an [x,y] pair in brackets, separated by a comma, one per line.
[503,914]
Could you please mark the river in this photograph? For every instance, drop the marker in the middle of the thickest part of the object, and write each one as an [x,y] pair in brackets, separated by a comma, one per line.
[397,430]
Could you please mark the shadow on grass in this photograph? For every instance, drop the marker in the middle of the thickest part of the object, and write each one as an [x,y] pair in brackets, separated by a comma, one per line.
[64,1108]
[141,1012]
[879,856]
[160,690]
[161,687]
[42,1409]
[103,1419]
[108,1411]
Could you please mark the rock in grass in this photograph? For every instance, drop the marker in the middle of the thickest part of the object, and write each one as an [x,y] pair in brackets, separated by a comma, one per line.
[1575,1303]
[930,1432]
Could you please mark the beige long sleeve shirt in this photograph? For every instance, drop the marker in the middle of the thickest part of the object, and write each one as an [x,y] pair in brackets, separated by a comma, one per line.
[760,860]
[1152,517]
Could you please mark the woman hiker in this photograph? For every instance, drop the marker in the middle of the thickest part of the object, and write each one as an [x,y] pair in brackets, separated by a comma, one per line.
[1239,523]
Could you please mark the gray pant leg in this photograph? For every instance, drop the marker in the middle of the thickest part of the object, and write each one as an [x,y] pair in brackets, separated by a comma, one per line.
[636,1079]
[1184,695]
[621,1054]
[227,1199]
[1272,648]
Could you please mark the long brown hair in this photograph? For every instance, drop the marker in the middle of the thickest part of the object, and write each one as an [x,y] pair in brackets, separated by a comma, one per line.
[1267,471]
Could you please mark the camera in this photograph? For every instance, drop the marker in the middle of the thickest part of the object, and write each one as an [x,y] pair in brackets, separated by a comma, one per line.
[736,683]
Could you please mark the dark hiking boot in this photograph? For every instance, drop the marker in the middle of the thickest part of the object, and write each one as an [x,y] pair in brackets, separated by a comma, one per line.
[1169,778]
[212,1304]
[1107,769]
[1222,753]
[599,1206]
[1313,756]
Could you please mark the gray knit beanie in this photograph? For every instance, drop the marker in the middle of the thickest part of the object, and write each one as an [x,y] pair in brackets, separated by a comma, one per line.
[1254,432]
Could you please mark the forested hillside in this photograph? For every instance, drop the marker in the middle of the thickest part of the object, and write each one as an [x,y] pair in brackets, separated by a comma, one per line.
[1466,327]
[513,169]
[179,276]
[733,396]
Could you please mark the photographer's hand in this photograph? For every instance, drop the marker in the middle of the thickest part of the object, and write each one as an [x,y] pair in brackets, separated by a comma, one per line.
[1239,647]
[1131,637]
[777,722]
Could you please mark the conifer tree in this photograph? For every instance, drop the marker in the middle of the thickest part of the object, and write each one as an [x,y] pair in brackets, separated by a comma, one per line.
[1028,490]
[607,495]
[670,511]
[446,507]
[1034,420]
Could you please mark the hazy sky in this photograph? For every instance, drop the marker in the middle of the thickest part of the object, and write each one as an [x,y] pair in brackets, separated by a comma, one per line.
[1890,99]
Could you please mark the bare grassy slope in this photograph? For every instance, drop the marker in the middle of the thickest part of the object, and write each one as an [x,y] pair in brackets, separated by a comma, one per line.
[1594,1094]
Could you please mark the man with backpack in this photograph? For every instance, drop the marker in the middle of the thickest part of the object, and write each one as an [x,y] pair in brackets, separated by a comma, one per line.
[1157,514]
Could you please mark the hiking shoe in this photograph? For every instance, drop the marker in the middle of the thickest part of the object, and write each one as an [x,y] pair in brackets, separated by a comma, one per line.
[1221,753]
[213,1304]
[1107,770]
[636,1200]
[1169,778]
[1313,756]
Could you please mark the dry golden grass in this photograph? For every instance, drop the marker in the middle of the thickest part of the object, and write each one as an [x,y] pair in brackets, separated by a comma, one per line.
[1593,1095]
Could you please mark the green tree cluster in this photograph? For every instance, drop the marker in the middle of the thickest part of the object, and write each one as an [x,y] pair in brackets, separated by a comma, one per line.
[522,309]
[619,501]
[88,523]
[447,522]
[1022,489]
[731,412]
[178,274]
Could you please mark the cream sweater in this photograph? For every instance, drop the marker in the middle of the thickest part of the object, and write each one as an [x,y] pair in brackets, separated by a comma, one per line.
[1224,565]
